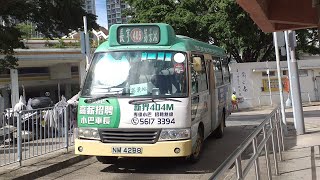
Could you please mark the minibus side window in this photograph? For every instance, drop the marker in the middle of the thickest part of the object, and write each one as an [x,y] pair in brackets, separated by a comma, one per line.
[218,72]
[226,73]
[199,79]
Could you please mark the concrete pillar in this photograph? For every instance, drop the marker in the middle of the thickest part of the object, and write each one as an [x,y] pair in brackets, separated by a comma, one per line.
[82,72]
[67,91]
[296,92]
[275,38]
[14,87]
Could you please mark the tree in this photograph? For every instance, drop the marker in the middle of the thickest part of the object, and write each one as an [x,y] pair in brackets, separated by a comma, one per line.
[221,22]
[53,18]
[307,41]
[25,30]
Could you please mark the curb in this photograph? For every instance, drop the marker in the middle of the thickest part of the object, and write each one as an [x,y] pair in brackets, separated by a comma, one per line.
[40,166]
[52,168]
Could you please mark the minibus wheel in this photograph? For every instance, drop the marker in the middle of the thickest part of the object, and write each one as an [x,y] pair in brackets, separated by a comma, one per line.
[195,156]
[107,159]
[218,133]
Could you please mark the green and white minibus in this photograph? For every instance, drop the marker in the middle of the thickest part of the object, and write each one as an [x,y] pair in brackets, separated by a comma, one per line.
[151,93]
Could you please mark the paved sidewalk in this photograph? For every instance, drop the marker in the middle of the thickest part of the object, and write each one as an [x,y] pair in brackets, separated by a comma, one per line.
[302,157]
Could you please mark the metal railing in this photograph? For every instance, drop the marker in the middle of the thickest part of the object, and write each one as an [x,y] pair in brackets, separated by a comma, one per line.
[271,127]
[277,95]
[30,133]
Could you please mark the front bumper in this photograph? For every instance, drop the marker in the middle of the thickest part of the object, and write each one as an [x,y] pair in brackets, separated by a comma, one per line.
[158,149]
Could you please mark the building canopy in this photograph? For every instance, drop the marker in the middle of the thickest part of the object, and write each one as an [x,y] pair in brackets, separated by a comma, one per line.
[280,15]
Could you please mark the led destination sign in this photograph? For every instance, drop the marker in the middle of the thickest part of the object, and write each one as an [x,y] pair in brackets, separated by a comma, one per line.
[131,35]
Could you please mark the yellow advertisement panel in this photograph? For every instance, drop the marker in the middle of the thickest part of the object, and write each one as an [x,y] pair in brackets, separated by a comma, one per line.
[274,84]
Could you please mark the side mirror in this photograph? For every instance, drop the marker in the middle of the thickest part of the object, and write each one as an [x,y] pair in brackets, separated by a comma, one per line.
[196,62]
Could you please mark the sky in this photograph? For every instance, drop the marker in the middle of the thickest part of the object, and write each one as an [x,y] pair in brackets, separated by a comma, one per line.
[102,13]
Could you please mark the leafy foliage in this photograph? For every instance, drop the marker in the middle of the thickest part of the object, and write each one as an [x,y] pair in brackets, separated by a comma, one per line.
[221,22]
[308,41]
[25,29]
[53,18]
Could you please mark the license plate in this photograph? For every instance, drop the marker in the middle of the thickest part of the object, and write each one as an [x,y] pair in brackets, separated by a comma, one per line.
[126,150]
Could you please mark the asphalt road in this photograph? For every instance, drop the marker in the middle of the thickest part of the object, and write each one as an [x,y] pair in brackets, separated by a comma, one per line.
[239,126]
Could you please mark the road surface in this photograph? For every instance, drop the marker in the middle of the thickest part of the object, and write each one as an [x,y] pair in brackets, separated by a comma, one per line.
[239,126]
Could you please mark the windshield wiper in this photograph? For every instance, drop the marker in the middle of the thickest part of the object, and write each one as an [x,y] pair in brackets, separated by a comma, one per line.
[154,100]
[94,99]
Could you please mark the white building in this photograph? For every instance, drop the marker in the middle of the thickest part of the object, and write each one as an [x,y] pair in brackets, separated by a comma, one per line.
[251,81]
[90,6]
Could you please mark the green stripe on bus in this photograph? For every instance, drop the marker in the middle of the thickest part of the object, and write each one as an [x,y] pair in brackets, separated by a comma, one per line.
[104,113]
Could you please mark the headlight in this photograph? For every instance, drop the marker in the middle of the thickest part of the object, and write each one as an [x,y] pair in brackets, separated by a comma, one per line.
[174,134]
[88,133]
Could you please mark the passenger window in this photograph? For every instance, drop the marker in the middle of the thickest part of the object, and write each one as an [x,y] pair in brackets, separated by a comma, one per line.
[199,78]
[218,72]
[226,73]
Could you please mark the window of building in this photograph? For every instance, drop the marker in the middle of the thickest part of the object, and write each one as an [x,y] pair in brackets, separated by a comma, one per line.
[6,71]
[74,69]
[303,72]
[271,73]
[199,79]
[34,70]
[285,72]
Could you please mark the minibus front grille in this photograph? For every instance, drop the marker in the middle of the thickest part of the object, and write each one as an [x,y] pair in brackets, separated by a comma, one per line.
[129,135]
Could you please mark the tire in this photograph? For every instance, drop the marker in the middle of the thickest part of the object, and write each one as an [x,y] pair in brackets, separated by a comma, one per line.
[195,156]
[107,159]
[218,133]
[41,102]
